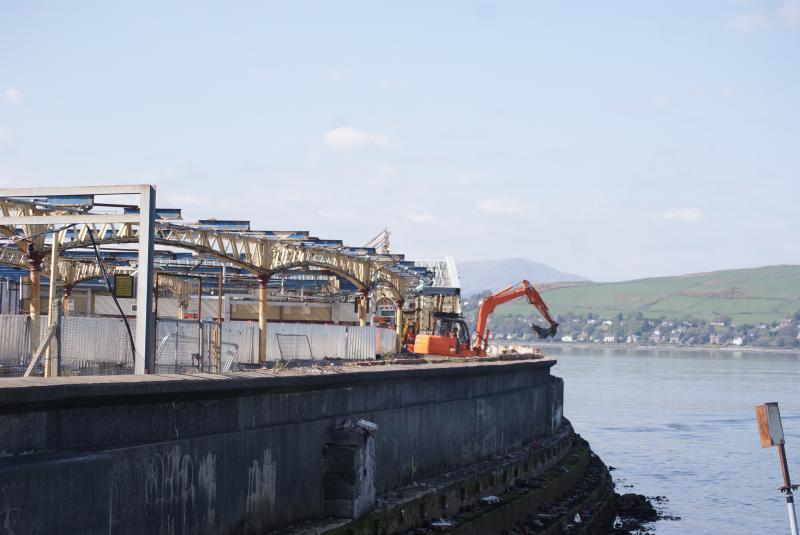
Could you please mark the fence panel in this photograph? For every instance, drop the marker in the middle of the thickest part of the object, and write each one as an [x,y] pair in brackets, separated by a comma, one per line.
[385,340]
[13,338]
[180,346]
[98,345]
[95,345]
[14,341]
[361,342]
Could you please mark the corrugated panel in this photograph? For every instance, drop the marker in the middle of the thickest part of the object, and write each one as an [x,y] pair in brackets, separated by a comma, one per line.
[331,341]
[361,342]
[245,335]
[385,340]
[327,341]
[105,340]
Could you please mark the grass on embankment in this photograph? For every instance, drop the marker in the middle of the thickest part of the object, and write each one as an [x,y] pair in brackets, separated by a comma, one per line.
[754,295]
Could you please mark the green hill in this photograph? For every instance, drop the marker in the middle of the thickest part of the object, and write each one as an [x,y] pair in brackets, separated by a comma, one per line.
[754,295]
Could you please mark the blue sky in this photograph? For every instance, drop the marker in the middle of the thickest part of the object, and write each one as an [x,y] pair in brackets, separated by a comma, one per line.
[611,139]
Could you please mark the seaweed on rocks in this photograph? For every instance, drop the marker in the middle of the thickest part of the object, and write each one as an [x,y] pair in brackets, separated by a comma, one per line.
[635,513]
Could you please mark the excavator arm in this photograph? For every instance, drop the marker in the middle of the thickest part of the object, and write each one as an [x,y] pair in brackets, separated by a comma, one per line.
[488,305]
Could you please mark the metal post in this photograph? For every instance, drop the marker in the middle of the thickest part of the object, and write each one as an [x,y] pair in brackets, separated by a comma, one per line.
[89,303]
[770,430]
[200,322]
[362,308]
[49,368]
[217,354]
[398,327]
[787,489]
[65,299]
[144,292]
[262,319]
[155,317]
[34,258]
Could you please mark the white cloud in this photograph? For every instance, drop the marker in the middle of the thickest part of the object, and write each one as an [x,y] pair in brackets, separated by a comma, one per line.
[790,11]
[748,22]
[13,96]
[347,137]
[680,214]
[419,217]
[499,205]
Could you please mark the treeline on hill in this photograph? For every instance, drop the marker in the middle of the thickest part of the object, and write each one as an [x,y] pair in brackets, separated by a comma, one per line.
[638,329]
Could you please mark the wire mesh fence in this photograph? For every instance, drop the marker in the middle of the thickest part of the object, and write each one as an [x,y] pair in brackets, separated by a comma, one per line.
[294,346]
[14,341]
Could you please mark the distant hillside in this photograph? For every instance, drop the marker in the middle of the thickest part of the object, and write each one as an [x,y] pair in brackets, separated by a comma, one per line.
[754,295]
[497,274]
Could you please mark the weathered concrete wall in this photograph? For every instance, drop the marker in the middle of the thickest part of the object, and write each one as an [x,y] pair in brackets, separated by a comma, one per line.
[244,453]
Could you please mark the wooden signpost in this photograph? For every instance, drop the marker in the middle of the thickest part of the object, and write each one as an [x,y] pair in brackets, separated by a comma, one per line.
[770,430]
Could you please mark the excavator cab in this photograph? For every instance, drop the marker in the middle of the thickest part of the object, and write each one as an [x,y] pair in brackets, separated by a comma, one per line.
[449,337]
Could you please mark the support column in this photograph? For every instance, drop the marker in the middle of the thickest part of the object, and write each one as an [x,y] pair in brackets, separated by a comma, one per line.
[34,258]
[65,299]
[398,324]
[363,305]
[51,357]
[216,353]
[89,302]
[262,318]
[145,322]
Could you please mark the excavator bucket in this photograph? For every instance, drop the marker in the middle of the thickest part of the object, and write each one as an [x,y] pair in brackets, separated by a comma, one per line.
[544,332]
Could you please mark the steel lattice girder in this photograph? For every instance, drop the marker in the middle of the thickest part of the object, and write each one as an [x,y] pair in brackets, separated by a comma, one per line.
[264,256]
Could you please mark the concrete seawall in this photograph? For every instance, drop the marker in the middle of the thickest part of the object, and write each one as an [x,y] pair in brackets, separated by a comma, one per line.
[247,453]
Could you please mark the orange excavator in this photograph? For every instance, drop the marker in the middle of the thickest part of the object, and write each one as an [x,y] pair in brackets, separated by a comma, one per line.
[450,336]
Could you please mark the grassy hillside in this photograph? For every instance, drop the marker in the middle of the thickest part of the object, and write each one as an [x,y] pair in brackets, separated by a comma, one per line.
[746,295]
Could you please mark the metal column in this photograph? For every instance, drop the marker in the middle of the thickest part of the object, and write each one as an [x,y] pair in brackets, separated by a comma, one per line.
[34,258]
[262,319]
[398,327]
[50,360]
[363,305]
[144,291]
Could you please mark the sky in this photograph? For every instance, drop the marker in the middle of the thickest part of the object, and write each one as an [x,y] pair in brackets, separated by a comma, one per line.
[615,140]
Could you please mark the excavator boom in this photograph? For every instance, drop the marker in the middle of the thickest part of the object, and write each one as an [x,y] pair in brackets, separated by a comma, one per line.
[488,304]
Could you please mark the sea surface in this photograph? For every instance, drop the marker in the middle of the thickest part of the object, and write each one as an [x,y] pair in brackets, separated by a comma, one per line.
[681,424]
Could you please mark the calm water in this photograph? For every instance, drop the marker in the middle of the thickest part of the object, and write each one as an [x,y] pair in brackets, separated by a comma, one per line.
[682,425]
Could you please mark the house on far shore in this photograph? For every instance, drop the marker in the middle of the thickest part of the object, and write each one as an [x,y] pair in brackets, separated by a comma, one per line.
[567,338]
[713,339]
[633,339]
[609,339]
[656,336]
[737,341]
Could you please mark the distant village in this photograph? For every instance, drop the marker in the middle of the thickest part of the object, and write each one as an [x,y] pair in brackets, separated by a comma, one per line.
[639,330]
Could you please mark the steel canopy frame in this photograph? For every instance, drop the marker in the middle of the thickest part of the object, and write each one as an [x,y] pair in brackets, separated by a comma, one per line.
[143,362]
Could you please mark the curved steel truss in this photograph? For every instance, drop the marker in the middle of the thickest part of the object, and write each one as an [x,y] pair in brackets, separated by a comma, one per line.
[260,253]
